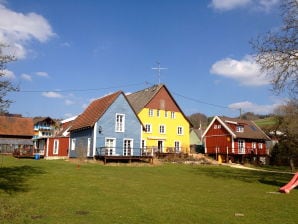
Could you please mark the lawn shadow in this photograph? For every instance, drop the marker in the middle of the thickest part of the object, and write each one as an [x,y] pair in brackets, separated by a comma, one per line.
[248,176]
[13,179]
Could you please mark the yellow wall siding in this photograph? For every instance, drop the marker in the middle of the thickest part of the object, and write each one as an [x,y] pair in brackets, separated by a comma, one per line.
[171,129]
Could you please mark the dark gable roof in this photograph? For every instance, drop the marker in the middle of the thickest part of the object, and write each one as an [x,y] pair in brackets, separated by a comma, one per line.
[140,99]
[94,111]
[251,130]
[16,126]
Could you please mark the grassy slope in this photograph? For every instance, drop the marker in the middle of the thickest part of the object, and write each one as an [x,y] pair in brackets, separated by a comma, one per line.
[57,192]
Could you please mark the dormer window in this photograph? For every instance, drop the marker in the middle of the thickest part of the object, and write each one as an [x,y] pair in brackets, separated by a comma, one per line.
[239,128]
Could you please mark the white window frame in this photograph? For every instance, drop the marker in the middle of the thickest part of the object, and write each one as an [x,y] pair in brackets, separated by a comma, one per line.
[162,129]
[151,112]
[110,147]
[73,144]
[173,115]
[260,145]
[56,147]
[240,128]
[148,128]
[120,123]
[88,146]
[157,113]
[177,146]
[241,146]
[180,130]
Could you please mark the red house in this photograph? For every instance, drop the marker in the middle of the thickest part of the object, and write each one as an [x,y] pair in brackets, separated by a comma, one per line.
[229,139]
[57,147]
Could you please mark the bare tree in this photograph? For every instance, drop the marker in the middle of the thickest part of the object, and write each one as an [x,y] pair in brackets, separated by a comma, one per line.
[287,120]
[198,120]
[5,85]
[277,51]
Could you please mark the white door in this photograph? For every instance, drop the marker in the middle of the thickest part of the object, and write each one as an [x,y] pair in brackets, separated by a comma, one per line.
[128,147]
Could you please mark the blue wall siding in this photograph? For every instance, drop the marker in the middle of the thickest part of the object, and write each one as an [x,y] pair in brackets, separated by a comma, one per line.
[81,137]
[132,127]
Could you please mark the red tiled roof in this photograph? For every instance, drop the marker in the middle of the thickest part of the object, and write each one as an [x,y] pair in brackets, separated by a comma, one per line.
[16,126]
[94,111]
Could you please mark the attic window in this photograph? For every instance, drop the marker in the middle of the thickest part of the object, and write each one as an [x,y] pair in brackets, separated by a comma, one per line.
[239,128]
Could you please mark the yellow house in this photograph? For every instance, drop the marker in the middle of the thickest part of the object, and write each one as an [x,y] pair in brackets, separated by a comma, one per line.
[166,128]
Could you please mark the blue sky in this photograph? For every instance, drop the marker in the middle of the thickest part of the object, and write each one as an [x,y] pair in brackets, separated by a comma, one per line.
[71,52]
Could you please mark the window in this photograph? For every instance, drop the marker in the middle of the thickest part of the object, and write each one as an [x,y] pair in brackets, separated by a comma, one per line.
[180,130]
[260,145]
[254,145]
[177,146]
[158,113]
[239,128]
[56,147]
[89,147]
[151,113]
[110,145]
[148,128]
[166,113]
[241,146]
[162,129]
[73,144]
[120,122]
[172,115]
[217,126]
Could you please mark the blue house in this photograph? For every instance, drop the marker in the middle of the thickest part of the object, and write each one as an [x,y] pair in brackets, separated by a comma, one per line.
[108,127]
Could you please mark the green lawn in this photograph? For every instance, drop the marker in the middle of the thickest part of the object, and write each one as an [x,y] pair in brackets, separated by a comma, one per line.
[40,191]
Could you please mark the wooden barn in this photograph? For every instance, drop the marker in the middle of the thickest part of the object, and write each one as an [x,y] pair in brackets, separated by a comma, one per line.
[235,140]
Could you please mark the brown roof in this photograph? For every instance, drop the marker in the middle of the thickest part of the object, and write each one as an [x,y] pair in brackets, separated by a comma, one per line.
[16,126]
[251,130]
[94,111]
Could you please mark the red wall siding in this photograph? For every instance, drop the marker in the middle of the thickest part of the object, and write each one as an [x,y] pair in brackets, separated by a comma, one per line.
[63,146]
[218,138]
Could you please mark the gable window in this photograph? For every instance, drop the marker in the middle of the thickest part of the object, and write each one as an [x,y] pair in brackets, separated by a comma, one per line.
[217,126]
[172,115]
[162,129]
[260,145]
[120,122]
[239,128]
[56,147]
[148,128]
[151,113]
[180,130]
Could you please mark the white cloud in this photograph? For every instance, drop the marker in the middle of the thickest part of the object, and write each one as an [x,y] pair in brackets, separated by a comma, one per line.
[226,5]
[8,74]
[26,77]
[42,74]
[245,71]
[17,29]
[247,106]
[52,95]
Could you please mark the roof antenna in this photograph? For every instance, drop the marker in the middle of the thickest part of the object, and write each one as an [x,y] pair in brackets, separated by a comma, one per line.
[158,68]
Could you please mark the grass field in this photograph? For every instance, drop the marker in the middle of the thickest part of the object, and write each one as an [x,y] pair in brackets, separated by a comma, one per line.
[40,191]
